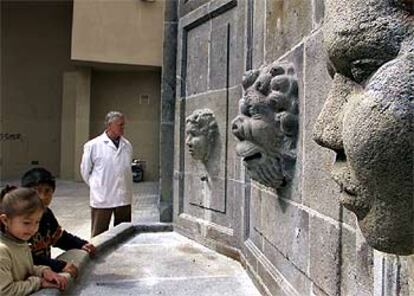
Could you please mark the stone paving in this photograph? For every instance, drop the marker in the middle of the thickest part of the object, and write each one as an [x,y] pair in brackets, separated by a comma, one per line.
[152,264]
[164,263]
[71,206]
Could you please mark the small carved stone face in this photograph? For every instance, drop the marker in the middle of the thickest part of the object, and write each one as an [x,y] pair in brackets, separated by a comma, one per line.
[267,124]
[197,144]
[201,130]
[368,117]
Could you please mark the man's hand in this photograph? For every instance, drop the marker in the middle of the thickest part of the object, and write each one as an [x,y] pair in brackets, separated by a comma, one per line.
[52,279]
[71,269]
[90,248]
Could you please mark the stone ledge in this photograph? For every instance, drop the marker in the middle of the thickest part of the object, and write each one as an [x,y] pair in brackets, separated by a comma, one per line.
[102,243]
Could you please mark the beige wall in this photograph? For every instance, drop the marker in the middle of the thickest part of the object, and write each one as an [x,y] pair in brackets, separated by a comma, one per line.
[118,31]
[75,121]
[35,52]
[125,92]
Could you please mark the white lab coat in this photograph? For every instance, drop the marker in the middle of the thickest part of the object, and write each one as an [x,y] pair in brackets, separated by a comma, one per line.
[107,171]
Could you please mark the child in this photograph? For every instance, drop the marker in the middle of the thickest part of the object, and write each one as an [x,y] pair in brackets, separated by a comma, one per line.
[20,213]
[50,233]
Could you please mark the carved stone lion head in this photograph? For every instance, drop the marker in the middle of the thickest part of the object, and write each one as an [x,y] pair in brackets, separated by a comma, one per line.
[267,125]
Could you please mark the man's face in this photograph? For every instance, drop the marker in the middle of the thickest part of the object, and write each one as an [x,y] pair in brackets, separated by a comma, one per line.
[116,127]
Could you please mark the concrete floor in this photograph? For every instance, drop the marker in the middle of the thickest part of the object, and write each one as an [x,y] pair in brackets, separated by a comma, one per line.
[70,205]
[152,264]
[164,263]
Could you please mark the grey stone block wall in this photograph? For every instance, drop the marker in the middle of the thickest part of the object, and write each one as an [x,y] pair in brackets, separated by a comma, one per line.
[168,93]
[287,23]
[301,242]
[209,64]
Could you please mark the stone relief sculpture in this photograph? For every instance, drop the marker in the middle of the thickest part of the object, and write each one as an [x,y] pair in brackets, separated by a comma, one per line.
[368,116]
[267,125]
[201,130]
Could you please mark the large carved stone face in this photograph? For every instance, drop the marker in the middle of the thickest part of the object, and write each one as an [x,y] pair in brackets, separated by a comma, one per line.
[368,116]
[267,124]
[201,130]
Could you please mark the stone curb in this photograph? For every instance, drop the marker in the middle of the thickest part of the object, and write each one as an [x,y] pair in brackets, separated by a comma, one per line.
[102,243]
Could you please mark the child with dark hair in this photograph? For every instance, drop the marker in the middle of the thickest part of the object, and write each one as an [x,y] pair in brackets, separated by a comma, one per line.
[50,233]
[20,213]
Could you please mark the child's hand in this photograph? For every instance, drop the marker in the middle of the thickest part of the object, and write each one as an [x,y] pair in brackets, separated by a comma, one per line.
[71,269]
[55,279]
[45,284]
[90,248]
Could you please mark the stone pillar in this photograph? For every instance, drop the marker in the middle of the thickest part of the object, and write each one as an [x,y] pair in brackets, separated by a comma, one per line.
[75,121]
[167,111]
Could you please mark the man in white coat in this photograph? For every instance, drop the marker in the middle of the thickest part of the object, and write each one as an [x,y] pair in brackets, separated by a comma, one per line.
[106,168]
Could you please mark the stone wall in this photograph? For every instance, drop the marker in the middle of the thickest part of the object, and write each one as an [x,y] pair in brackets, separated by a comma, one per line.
[210,63]
[301,241]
